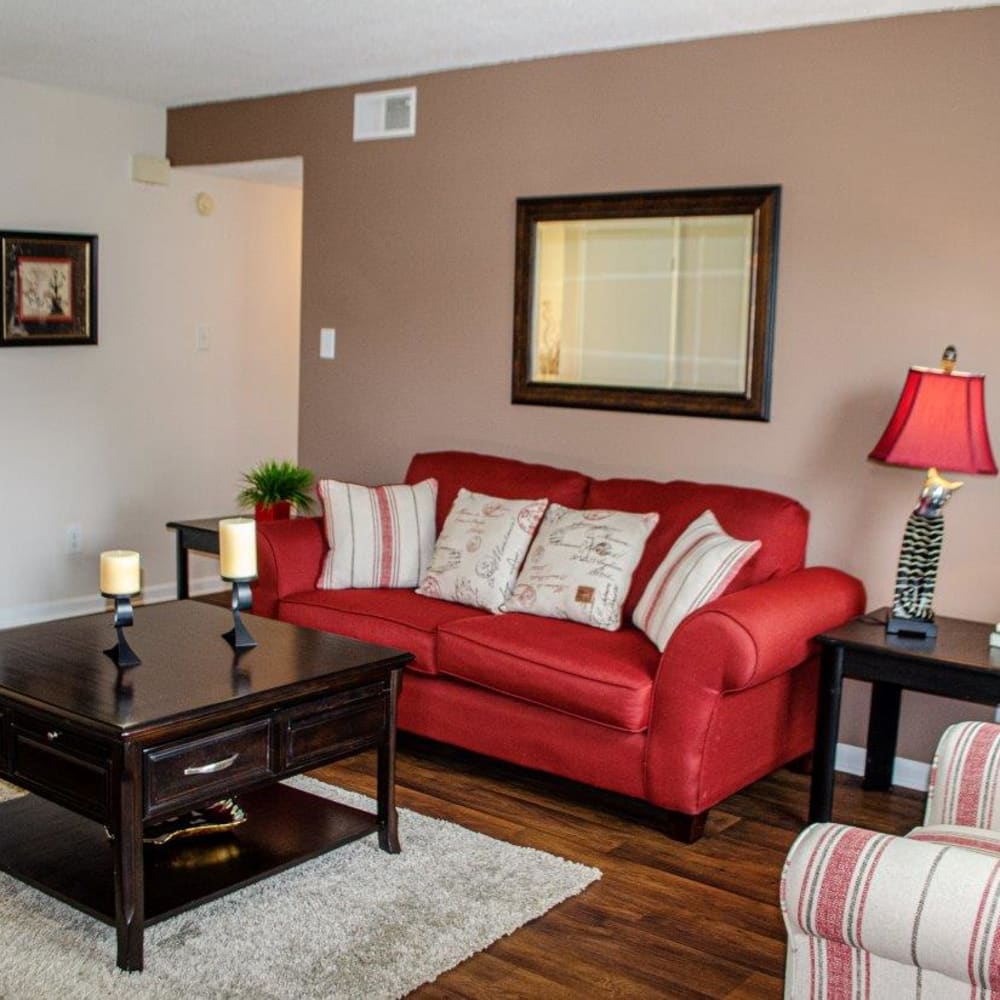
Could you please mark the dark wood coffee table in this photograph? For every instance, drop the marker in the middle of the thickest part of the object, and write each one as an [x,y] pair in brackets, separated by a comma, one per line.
[109,752]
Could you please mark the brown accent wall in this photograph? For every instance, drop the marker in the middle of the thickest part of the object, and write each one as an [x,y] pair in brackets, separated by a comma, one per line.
[886,138]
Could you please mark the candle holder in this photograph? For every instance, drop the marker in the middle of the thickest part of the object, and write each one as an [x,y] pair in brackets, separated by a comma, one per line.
[242,600]
[241,677]
[122,652]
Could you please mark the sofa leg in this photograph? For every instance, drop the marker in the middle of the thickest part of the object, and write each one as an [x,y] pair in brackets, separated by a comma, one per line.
[687,829]
[677,826]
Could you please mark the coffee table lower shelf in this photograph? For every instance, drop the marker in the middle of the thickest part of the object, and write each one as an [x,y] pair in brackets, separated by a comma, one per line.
[69,857]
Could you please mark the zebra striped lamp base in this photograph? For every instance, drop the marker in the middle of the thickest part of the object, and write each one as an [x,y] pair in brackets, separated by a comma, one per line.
[912,607]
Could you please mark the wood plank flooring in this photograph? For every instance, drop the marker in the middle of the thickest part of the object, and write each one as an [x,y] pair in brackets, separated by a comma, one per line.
[695,922]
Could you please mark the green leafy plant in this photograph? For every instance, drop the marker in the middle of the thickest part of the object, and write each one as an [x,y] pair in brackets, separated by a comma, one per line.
[272,481]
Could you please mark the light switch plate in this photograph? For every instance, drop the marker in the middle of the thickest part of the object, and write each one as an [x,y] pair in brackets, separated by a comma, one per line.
[327,343]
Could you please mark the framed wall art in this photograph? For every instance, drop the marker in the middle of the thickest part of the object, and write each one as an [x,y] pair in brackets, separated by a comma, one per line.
[49,289]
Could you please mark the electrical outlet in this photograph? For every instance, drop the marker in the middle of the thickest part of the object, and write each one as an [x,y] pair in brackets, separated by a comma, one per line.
[74,539]
[202,336]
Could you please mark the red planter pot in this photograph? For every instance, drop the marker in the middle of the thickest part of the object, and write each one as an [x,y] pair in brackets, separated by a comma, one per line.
[280,511]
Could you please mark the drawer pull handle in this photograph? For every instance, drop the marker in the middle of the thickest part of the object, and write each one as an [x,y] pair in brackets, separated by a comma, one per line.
[52,735]
[216,765]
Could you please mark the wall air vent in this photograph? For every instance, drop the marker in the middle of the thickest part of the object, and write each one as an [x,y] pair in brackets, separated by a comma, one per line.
[385,114]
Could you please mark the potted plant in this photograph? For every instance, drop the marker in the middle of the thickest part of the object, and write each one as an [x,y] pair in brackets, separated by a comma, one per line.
[272,488]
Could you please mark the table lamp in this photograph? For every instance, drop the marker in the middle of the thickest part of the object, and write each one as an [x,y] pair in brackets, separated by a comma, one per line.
[939,423]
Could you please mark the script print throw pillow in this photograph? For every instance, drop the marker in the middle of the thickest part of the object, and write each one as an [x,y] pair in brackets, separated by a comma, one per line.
[697,569]
[580,565]
[380,536]
[480,549]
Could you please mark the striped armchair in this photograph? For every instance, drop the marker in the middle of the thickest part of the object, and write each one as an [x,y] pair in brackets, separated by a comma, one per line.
[872,916]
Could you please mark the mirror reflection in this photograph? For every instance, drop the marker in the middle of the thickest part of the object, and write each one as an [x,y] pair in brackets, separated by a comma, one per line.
[654,303]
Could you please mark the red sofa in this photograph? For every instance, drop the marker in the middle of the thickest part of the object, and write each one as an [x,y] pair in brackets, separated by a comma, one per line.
[731,698]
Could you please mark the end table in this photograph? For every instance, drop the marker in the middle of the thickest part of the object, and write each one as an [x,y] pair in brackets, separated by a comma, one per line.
[200,535]
[958,663]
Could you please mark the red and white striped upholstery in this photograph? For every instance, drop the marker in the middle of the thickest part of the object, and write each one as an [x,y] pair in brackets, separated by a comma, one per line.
[870,915]
[965,777]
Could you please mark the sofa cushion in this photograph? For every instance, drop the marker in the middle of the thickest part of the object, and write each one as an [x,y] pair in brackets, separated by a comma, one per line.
[380,536]
[398,618]
[480,549]
[604,677]
[500,477]
[580,565]
[779,522]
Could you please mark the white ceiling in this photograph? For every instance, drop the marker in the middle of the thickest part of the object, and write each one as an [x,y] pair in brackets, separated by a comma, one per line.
[175,52]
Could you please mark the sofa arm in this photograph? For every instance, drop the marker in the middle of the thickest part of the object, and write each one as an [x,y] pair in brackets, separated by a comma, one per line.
[289,559]
[964,789]
[735,658]
[752,635]
[847,893]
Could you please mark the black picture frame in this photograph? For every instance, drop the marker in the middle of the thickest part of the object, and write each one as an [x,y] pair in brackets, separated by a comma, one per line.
[759,204]
[49,289]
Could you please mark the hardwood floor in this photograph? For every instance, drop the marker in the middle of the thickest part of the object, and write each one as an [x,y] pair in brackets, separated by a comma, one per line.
[666,920]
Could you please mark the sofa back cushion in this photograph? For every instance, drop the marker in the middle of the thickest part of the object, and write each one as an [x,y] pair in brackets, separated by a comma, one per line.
[779,522]
[499,477]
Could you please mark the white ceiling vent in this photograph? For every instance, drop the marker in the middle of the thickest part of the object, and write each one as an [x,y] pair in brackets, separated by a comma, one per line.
[385,114]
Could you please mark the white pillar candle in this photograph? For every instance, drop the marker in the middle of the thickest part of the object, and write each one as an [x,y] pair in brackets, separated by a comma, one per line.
[120,572]
[237,548]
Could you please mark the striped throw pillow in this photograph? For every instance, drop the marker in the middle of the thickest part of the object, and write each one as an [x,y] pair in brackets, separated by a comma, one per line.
[380,536]
[696,570]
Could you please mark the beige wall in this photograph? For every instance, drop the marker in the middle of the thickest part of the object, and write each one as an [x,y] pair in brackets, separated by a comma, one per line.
[886,139]
[122,437]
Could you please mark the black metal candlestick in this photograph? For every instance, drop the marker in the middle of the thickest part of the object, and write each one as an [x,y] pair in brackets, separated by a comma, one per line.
[242,600]
[122,652]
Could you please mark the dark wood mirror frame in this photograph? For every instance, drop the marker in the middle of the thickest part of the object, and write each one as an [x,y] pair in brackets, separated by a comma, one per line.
[759,204]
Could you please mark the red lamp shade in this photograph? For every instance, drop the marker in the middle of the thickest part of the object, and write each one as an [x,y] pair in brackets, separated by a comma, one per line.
[940,422]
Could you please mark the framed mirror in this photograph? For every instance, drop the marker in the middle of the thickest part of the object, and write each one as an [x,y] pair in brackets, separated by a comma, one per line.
[659,301]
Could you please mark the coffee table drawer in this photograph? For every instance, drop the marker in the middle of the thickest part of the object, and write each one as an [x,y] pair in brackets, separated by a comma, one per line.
[330,727]
[180,775]
[60,765]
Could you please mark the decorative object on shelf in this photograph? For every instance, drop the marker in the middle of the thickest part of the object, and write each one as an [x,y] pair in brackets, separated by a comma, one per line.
[939,422]
[272,488]
[219,817]
[49,289]
[120,581]
[238,566]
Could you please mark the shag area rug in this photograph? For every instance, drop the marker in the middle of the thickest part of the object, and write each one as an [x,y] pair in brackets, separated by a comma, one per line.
[354,923]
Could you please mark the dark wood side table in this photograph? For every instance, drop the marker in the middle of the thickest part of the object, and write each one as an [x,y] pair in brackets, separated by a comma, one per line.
[959,663]
[199,535]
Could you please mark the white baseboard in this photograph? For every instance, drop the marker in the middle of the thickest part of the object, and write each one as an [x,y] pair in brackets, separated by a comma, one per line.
[905,773]
[72,607]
